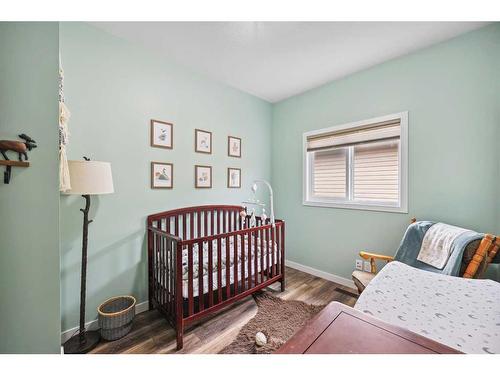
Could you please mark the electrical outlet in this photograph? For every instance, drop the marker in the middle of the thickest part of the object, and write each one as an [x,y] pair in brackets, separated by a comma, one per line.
[367,266]
[359,264]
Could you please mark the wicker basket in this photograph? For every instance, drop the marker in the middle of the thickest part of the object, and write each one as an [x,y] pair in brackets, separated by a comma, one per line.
[115,317]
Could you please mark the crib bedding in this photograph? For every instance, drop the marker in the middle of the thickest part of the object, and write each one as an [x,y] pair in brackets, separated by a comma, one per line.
[461,313]
[241,256]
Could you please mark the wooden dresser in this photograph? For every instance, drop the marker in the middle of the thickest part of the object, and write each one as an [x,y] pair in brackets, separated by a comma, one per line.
[340,329]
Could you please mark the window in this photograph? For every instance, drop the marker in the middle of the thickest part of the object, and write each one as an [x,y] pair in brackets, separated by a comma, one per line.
[361,165]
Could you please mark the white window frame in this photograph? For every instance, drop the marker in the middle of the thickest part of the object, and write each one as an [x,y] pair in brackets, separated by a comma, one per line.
[401,207]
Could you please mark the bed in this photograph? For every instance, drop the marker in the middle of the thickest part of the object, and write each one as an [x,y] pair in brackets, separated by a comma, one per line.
[203,258]
[463,314]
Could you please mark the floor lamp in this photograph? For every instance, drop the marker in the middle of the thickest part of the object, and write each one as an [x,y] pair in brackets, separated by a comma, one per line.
[87,178]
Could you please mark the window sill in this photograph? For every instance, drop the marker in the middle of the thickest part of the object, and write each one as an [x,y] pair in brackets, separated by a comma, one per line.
[356,206]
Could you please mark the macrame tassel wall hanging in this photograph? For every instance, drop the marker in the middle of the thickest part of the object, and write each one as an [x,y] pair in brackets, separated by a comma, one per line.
[64,115]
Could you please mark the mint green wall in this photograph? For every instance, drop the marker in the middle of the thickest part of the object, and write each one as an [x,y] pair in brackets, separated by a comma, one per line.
[452,93]
[29,205]
[113,88]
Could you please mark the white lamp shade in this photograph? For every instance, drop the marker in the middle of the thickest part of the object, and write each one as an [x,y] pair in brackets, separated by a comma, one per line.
[90,177]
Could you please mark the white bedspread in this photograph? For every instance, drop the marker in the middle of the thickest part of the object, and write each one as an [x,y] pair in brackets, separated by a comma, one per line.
[461,313]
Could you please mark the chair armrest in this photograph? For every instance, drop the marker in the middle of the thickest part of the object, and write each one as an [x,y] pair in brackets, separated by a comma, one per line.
[373,257]
[367,255]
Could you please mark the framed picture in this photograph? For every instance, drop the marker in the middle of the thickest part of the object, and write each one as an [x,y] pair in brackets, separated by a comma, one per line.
[162,134]
[202,141]
[162,175]
[202,176]
[234,146]
[234,178]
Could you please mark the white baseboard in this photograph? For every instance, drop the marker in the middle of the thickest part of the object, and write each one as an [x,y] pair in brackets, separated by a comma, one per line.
[92,325]
[324,275]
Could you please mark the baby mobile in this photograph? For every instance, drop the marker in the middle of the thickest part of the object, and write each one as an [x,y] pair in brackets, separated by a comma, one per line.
[64,115]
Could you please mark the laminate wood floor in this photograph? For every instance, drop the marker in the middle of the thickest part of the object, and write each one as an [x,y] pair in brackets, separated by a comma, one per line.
[152,334]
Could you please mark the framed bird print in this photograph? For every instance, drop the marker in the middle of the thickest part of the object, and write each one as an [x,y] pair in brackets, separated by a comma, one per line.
[234,178]
[202,177]
[234,146]
[162,134]
[162,175]
[203,141]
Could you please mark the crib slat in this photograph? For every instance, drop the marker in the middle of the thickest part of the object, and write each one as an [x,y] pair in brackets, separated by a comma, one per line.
[166,275]
[268,255]
[261,234]
[249,261]
[184,225]
[168,224]
[190,280]
[235,264]
[169,272]
[217,224]
[219,270]
[210,274]
[158,268]
[201,290]
[228,264]
[255,257]
[212,223]
[273,268]
[176,223]
[278,242]
[282,250]
[162,271]
[155,266]
[199,232]
[191,225]
[205,223]
[242,252]
[224,221]
[173,286]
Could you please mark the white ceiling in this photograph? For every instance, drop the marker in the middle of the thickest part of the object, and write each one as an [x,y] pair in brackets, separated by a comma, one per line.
[276,60]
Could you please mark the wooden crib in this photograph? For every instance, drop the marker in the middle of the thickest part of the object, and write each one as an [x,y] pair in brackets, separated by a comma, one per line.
[235,260]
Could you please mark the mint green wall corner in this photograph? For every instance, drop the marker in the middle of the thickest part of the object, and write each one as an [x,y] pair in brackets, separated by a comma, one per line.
[452,93]
[29,205]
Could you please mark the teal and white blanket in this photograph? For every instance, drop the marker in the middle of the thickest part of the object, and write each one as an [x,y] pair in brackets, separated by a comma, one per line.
[450,244]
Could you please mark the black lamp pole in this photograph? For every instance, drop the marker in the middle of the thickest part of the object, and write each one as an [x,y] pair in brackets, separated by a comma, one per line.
[86,340]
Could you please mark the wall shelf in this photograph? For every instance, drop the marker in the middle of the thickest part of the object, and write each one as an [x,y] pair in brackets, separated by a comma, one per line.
[8,166]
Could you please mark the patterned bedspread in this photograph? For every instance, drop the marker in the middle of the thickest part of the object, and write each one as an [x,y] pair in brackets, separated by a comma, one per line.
[461,313]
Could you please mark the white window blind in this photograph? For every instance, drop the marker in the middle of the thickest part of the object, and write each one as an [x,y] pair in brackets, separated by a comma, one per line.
[358,165]
[376,172]
[368,133]
[330,173]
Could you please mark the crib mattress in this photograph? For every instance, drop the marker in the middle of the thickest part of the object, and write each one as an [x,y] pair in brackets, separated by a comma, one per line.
[242,256]
[461,313]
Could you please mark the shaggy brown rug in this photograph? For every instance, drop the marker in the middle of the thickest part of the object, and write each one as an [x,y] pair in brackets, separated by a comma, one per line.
[278,319]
